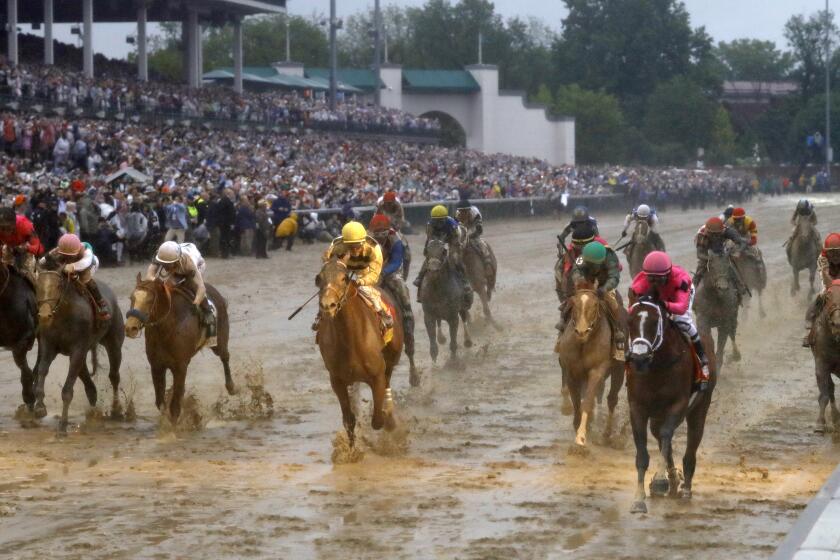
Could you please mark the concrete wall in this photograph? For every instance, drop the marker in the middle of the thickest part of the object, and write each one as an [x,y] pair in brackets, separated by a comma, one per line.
[494,121]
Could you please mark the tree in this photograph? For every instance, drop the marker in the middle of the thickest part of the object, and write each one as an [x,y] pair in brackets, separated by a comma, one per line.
[753,60]
[722,147]
[598,123]
[679,113]
[807,40]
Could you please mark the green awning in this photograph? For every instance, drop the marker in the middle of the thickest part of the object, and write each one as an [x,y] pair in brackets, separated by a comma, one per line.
[269,76]
[357,77]
[446,81]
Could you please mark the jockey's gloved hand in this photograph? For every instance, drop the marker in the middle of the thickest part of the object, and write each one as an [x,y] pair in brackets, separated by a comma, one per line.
[600,291]
[353,277]
[69,269]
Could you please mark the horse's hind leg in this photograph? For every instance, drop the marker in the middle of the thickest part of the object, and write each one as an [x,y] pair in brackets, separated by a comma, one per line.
[441,338]
[794,288]
[465,317]
[761,312]
[221,350]
[349,419]
[114,351]
[665,481]
[90,387]
[616,382]
[77,362]
[27,378]
[824,383]
[696,423]
[453,336]
[835,413]
[381,395]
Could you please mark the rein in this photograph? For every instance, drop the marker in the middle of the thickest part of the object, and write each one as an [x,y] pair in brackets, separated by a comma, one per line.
[656,343]
[60,297]
[145,318]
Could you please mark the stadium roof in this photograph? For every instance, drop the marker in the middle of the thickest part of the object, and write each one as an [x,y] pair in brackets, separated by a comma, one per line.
[268,76]
[445,81]
[105,11]
[357,77]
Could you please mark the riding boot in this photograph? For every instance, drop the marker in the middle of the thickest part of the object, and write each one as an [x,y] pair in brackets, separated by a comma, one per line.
[807,340]
[209,320]
[102,313]
[702,383]
[317,322]
[387,320]
[419,281]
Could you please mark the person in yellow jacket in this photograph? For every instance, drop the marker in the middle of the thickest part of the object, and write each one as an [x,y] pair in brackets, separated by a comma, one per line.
[287,229]
[363,257]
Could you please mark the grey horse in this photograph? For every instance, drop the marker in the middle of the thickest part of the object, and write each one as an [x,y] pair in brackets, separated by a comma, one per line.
[717,304]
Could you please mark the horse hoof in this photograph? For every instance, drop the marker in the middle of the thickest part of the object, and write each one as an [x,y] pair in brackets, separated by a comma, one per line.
[441,339]
[685,494]
[468,343]
[819,429]
[659,487]
[414,378]
[580,441]
[39,411]
[390,423]
[232,389]
[639,507]
[566,409]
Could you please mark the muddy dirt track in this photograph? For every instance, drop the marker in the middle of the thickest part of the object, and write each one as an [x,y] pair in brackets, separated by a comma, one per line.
[482,468]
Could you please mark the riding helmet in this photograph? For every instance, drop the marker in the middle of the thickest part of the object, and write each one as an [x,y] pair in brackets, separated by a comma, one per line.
[580,214]
[594,253]
[168,253]
[643,211]
[832,242]
[440,211]
[69,245]
[714,225]
[379,222]
[657,263]
[353,233]
[739,213]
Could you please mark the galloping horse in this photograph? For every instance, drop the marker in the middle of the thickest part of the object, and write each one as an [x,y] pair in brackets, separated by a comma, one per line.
[826,351]
[68,325]
[639,246]
[803,249]
[443,298]
[174,334]
[482,280]
[660,374]
[18,325]
[716,304]
[586,358]
[753,273]
[351,344]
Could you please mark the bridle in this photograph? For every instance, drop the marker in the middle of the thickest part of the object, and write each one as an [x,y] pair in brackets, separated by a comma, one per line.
[443,259]
[329,288]
[144,318]
[594,293]
[641,340]
[58,299]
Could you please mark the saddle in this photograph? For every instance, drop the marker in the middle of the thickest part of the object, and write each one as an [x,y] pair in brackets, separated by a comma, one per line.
[387,332]
[208,320]
[82,290]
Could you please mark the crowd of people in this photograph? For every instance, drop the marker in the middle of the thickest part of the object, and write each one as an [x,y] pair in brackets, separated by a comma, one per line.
[60,87]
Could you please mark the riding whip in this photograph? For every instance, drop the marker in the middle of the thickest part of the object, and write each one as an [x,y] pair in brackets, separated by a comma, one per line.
[299,309]
[740,276]
[631,242]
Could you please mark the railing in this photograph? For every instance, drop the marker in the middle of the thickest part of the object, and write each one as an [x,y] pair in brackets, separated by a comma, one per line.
[157,117]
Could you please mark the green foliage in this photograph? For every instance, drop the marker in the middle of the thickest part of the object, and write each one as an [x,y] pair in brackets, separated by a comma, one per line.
[807,41]
[598,123]
[753,60]
[722,148]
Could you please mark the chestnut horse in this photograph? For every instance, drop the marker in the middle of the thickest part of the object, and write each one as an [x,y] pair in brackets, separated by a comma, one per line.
[826,351]
[660,376]
[586,358]
[351,344]
[18,325]
[67,325]
[174,334]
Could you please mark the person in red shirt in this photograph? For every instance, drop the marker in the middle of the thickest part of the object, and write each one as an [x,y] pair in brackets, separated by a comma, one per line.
[19,242]
[662,281]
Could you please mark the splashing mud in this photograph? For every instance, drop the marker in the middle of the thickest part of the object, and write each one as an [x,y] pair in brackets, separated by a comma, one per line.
[255,403]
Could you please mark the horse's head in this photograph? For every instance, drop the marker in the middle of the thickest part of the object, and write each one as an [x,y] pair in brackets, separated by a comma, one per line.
[585,312]
[640,232]
[49,291]
[645,330]
[334,287]
[833,303]
[143,302]
[437,255]
[720,271]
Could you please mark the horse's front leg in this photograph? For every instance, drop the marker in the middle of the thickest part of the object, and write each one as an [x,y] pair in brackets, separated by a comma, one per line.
[77,362]
[46,355]
[27,377]
[666,451]
[431,330]
[639,421]
[593,382]
[794,289]
[823,374]
[349,419]
[381,393]
[465,319]
[453,336]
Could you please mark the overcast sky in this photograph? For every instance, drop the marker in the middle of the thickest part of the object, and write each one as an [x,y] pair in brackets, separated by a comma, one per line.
[724,19]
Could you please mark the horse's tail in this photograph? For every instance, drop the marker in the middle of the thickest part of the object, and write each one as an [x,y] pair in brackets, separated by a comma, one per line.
[94,357]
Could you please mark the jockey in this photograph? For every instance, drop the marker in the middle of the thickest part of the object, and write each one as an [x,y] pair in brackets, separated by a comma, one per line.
[598,266]
[389,205]
[469,216]
[726,214]
[712,238]
[804,212]
[391,245]
[580,216]
[78,259]
[445,228]
[182,264]
[828,264]
[744,225]
[364,261]
[19,243]
[644,213]
[672,286]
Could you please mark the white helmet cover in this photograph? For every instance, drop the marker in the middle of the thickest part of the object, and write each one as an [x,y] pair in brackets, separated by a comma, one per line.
[643,211]
[168,253]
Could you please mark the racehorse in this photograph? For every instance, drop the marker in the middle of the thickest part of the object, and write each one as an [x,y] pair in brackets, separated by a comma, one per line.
[826,351]
[639,246]
[660,374]
[482,280]
[716,304]
[586,358]
[803,249]
[68,325]
[750,265]
[351,343]
[443,298]
[174,334]
[18,325]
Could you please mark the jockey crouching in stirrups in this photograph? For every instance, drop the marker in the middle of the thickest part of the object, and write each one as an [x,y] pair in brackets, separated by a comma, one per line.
[672,286]
[445,228]
[182,265]
[363,258]
[644,213]
[78,260]
[469,216]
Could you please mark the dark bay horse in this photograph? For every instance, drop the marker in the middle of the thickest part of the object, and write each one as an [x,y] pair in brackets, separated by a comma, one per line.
[716,304]
[482,280]
[803,249]
[174,335]
[750,265]
[443,298]
[586,358]
[18,325]
[639,246]
[826,351]
[660,375]
[68,325]
[351,344]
